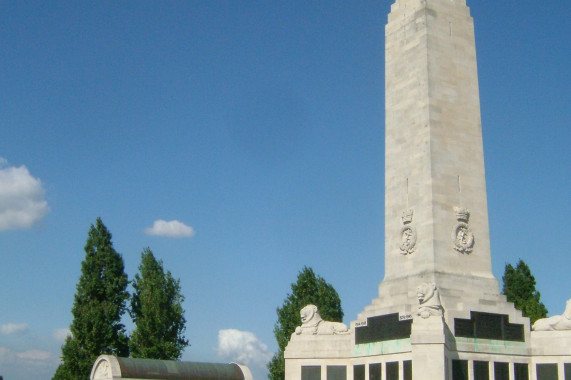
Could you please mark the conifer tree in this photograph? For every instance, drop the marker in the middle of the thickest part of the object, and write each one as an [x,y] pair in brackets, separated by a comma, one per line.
[309,289]
[519,288]
[99,304]
[156,310]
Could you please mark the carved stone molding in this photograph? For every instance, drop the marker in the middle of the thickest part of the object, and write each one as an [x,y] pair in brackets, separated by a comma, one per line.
[408,233]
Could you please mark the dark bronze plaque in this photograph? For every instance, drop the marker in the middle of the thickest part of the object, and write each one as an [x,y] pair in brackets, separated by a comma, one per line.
[481,370]
[393,371]
[381,328]
[311,372]
[521,371]
[459,369]
[501,371]
[336,372]
[488,326]
[547,372]
[376,370]
[359,372]
[407,370]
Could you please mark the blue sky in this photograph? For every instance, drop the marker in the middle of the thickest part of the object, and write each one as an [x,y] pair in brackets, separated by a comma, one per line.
[258,126]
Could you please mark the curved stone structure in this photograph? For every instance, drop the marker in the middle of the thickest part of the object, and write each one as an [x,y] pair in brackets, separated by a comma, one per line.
[108,367]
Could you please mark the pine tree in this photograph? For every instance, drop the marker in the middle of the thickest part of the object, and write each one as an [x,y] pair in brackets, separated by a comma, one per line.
[99,303]
[156,310]
[309,289]
[519,288]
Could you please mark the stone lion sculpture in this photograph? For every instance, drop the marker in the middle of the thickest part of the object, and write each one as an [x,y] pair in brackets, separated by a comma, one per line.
[313,324]
[429,300]
[557,322]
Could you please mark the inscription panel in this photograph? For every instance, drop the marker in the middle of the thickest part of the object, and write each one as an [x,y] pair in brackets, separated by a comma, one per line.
[336,372]
[311,372]
[407,370]
[359,372]
[521,371]
[547,372]
[501,371]
[393,371]
[459,369]
[383,327]
[488,326]
[375,371]
[481,370]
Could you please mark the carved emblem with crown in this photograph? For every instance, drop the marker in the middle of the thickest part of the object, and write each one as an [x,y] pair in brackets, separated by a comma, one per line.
[462,234]
[408,233]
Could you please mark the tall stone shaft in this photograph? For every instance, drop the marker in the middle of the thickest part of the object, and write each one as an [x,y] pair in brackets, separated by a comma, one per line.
[439,314]
[436,214]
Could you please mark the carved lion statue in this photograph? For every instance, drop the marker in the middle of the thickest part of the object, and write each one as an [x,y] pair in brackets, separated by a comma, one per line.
[313,324]
[557,322]
[429,300]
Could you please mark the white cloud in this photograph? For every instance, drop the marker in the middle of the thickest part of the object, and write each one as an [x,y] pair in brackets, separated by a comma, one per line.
[61,334]
[30,364]
[30,357]
[13,328]
[22,200]
[242,347]
[173,229]
[34,355]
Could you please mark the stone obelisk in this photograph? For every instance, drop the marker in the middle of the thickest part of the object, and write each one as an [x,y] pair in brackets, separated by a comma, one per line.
[436,214]
[439,313]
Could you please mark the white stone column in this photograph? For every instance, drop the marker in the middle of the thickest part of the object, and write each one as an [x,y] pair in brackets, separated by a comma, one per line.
[436,212]
[428,340]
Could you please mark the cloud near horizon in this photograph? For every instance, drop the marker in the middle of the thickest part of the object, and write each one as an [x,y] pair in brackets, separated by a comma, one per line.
[171,229]
[37,356]
[27,364]
[13,329]
[242,347]
[22,202]
[61,334]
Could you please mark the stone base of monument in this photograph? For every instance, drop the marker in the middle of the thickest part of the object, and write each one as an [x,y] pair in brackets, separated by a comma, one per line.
[424,345]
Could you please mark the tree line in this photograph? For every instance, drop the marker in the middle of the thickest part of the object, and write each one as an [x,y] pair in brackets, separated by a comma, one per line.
[101,300]
[155,306]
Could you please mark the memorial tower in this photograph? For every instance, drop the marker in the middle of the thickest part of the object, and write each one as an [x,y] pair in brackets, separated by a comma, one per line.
[439,314]
[436,213]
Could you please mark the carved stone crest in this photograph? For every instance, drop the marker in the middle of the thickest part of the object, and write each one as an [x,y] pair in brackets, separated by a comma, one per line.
[408,233]
[462,234]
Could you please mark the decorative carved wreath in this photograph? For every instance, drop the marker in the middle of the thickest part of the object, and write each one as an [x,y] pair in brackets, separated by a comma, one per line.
[463,238]
[408,239]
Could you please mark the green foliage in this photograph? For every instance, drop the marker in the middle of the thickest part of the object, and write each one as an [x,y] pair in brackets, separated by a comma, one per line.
[156,309]
[99,303]
[309,289]
[519,288]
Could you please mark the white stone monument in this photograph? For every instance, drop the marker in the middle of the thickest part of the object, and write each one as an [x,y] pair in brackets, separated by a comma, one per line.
[439,313]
